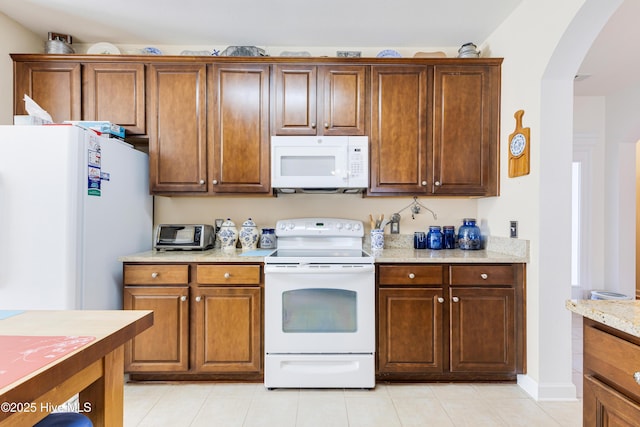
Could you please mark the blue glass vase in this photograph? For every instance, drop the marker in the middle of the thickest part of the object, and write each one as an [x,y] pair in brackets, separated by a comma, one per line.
[449,237]
[469,237]
[434,237]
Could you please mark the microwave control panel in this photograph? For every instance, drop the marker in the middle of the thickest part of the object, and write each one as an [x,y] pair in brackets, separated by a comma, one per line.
[358,161]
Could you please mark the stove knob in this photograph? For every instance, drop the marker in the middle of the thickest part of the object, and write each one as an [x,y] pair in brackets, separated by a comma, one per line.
[291,226]
[339,226]
[348,226]
[356,226]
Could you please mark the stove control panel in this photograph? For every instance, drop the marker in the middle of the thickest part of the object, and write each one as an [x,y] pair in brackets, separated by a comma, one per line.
[301,227]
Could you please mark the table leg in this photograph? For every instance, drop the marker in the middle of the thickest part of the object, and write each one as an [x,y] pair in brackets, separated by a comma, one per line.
[106,395]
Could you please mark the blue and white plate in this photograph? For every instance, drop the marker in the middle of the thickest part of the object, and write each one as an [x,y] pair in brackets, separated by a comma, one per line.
[389,53]
[151,51]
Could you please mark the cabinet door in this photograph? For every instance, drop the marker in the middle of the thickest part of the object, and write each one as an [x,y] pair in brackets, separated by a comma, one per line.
[605,407]
[466,139]
[295,99]
[482,330]
[343,100]
[410,330]
[228,329]
[399,130]
[239,123]
[164,347]
[177,127]
[116,93]
[55,86]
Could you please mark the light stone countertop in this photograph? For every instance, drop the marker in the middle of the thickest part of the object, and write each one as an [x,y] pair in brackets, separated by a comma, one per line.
[623,315]
[444,256]
[398,249]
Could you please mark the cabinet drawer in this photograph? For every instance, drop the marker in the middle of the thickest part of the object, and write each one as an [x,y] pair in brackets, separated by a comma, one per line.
[410,274]
[156,274]
[481,275]
[228,274]
[612,359]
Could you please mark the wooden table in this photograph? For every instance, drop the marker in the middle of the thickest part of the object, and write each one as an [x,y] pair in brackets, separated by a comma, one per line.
[95,371]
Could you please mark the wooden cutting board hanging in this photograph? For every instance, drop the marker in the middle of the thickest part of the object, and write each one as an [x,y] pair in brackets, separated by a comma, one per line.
[519,148]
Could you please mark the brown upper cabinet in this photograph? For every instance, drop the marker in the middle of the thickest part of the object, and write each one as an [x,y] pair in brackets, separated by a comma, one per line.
[435,130]
[72,90]
[177,103]
[55,86]
[115,92]
[466,114]
[239,128]
[433,124]
[320,99]
[400,140]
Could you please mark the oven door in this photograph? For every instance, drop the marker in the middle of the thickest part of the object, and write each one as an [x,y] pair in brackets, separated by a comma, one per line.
[319,309]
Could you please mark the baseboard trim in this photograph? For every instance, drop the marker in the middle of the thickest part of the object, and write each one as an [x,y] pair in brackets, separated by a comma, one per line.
[547,392]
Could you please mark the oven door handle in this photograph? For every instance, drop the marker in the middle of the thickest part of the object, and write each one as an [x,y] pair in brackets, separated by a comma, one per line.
[318,268]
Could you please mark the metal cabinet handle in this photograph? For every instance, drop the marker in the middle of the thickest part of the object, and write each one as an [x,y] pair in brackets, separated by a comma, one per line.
[455,299]
[215,182]
[484,276]
[636,377]
[326,125]
[423,183]
[183,298]
[201,182]
[437,183]
[154,275]
[313,125]
[412,276]
[440,300]
[227,275]
[198,299]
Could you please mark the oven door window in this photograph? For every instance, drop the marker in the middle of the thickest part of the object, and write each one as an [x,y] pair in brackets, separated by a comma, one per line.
[319,310]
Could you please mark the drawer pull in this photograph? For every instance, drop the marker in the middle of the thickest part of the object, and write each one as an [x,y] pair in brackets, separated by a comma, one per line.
[154,275]
[636,377]
[198,299]
[455,299]
[412,276]
[183,298]
[484,276]
[227,275]
[440,300]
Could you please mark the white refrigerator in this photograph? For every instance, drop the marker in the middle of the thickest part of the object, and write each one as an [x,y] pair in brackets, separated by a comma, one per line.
[71,203]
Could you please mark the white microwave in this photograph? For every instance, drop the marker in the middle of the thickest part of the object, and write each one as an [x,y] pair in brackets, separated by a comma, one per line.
[319,163]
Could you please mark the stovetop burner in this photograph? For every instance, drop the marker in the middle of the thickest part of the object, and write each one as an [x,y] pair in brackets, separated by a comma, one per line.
[319,240]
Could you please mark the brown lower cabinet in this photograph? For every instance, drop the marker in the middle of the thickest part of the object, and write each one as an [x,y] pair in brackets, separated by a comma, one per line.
[207,321]
[611,391]
[450,322]
[435,322]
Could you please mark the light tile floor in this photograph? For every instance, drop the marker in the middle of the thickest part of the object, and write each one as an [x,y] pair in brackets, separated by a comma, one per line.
[389,405]
[251,405]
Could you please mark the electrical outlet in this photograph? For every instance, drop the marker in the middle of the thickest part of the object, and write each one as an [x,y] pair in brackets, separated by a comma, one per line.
[513,229]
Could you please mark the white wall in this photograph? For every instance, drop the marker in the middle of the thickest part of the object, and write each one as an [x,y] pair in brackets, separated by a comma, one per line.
[589,149]
[622,133]
[543,51]
[13,38]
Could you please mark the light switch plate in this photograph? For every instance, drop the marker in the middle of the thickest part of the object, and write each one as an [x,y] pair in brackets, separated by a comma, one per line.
[513,229]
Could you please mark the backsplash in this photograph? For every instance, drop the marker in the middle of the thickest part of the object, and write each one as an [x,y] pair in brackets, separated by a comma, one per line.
[265,211]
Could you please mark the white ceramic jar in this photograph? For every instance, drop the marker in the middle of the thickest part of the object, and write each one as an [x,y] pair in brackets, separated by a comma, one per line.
[228,236]
[249,235]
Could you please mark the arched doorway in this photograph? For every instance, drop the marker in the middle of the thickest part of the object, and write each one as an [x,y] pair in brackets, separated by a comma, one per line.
[554,208]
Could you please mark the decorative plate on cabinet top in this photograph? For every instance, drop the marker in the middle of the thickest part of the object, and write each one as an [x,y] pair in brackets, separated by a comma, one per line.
[389,53]
[103,48]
